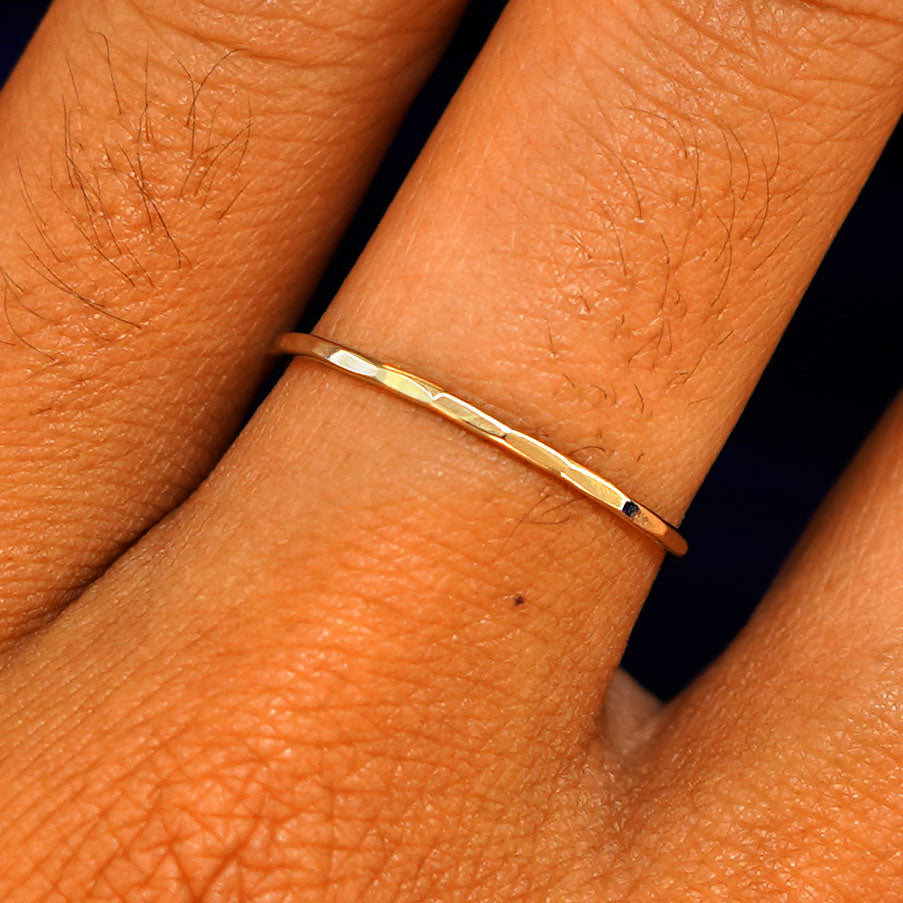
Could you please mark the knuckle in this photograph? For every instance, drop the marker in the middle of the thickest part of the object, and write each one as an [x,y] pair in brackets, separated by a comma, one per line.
[154,145]
[118,210]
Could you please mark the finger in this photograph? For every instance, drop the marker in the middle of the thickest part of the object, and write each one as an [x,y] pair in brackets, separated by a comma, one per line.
[173,178]
[498,274]
[801,718]
[341,597]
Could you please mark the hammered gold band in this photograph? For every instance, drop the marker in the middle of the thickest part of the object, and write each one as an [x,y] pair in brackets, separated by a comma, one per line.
[537,453]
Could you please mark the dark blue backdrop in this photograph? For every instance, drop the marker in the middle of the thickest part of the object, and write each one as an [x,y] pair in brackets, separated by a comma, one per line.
[836,369]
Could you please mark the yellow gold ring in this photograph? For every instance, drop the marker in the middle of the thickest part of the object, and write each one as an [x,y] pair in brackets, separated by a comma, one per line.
[429,395]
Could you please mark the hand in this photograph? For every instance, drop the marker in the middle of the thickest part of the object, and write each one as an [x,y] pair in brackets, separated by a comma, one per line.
[371,657]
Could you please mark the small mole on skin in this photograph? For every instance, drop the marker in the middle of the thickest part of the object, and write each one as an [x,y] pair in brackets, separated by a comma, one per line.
[519,600]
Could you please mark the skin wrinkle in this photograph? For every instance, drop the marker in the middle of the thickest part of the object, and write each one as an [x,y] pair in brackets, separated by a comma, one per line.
[845,743]
[357,30]
[207,763]
[737,183]
[191,874]
[109,186]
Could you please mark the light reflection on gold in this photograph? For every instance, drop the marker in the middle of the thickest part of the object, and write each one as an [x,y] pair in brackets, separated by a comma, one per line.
[540,455]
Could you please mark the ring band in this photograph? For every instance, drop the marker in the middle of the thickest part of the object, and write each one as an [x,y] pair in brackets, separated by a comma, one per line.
[531,450]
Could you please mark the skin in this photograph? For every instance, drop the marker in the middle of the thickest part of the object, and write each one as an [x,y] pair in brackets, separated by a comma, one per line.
[369,657]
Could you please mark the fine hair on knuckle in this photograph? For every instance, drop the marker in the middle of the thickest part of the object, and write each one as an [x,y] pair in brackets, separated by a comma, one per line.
[112,216]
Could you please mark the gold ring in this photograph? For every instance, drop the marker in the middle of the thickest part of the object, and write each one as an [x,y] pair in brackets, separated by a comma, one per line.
[531,450]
